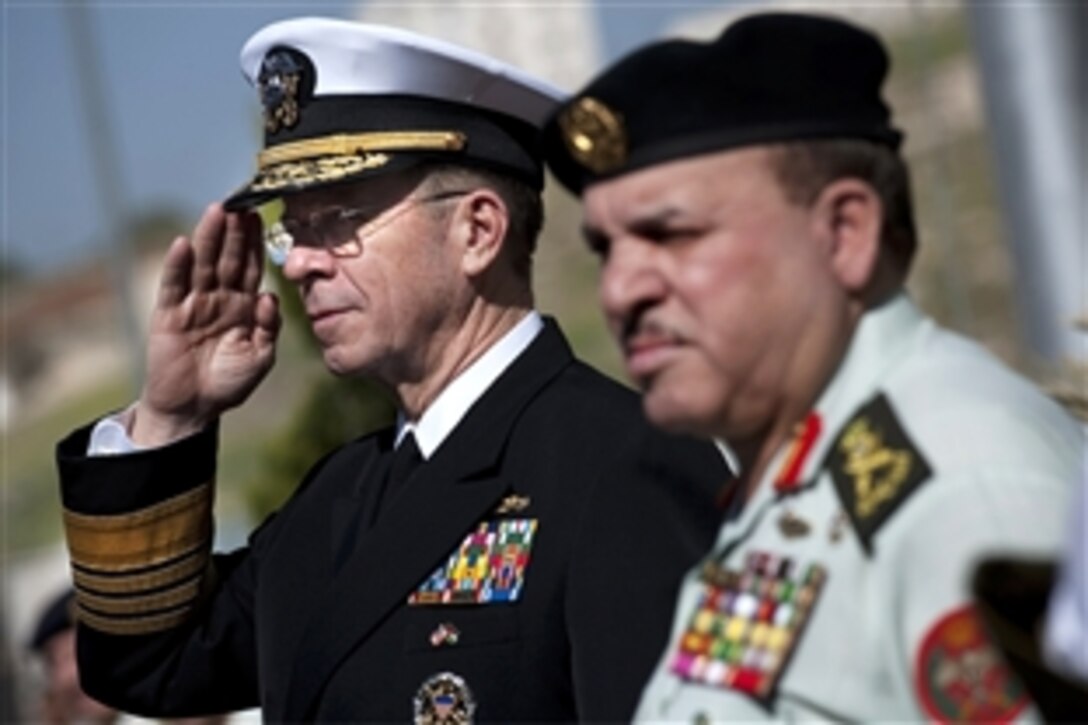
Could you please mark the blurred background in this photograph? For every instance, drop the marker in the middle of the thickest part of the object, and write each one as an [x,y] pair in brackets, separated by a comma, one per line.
[121,121]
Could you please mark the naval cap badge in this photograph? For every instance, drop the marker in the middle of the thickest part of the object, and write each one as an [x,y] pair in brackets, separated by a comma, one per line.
[285,81]
[444,699]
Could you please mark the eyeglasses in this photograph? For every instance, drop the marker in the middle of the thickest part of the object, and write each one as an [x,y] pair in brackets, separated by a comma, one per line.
[340,230]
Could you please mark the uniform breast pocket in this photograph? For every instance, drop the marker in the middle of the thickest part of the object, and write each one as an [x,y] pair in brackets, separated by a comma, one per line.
[459,628]
[472,654]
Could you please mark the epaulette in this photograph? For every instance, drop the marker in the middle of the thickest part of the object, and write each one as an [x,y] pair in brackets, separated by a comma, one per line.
[875,466]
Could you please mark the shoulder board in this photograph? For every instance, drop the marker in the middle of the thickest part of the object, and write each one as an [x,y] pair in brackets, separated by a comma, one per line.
[875,466]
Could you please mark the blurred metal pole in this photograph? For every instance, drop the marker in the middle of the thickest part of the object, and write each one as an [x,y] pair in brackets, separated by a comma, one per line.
[1034,86]
[107,172]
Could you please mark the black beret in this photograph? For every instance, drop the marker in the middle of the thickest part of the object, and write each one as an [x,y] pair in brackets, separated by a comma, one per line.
[768,77]
[56,618]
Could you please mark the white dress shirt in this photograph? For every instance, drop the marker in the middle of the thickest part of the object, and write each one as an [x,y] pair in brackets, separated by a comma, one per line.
[447,410]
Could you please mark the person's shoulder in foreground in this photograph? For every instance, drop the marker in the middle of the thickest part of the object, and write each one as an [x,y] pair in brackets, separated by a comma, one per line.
[752,215]
[509,551]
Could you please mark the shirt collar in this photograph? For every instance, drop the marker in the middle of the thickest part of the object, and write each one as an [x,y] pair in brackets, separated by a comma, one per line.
[447,410]
[883,337]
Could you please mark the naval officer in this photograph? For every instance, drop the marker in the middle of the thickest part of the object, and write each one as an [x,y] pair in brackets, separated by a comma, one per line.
[509,551]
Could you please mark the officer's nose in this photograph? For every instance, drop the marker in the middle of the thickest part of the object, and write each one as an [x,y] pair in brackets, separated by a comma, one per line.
[629,280]
[304,262]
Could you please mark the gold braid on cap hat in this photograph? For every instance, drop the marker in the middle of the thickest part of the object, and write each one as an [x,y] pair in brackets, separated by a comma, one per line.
[356,144]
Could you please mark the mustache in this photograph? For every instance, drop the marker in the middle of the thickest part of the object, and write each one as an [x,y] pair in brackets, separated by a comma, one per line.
[641,327]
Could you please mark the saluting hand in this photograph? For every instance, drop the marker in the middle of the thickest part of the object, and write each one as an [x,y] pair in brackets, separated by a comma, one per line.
[212,336]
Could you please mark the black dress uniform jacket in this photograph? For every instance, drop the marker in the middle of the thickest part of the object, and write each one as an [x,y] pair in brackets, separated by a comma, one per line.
[312,619]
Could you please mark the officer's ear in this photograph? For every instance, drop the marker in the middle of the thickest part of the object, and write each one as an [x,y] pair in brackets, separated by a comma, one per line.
[480,223]
[848,216]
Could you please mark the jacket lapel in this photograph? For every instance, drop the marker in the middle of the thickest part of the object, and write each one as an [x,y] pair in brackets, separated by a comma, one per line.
[446,497]
[350,513]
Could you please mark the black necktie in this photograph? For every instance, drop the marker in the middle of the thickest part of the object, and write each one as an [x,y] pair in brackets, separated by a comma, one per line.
[402,462]
[405,460]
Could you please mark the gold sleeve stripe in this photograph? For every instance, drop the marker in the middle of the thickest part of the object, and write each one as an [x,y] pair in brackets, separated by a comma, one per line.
[186,593]
[141,538]
[193,498]
[139,570]
[347,144]
[139,549]
[128,584]
[138,625]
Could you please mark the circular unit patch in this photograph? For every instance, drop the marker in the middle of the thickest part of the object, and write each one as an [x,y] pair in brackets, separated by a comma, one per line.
[960,676]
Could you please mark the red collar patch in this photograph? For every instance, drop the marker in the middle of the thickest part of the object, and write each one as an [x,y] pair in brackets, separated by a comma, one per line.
[805,434]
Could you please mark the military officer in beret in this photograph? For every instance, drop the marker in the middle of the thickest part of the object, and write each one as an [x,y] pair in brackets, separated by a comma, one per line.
[511,550]
[752,216]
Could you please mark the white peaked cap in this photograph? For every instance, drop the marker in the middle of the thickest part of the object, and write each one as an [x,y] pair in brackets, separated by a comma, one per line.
[345,99]
[356,58]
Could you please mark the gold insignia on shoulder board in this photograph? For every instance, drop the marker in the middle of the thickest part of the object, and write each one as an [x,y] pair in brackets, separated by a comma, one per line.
[513,504]
[594,135]
[875,466]
[877,470]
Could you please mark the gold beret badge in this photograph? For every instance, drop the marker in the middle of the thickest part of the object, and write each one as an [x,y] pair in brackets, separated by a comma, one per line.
[594,135]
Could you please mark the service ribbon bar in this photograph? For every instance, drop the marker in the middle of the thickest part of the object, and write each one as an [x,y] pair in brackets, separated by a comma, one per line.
[488,567]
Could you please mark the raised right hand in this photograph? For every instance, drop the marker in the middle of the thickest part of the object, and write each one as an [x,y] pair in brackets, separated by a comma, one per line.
[212,336]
